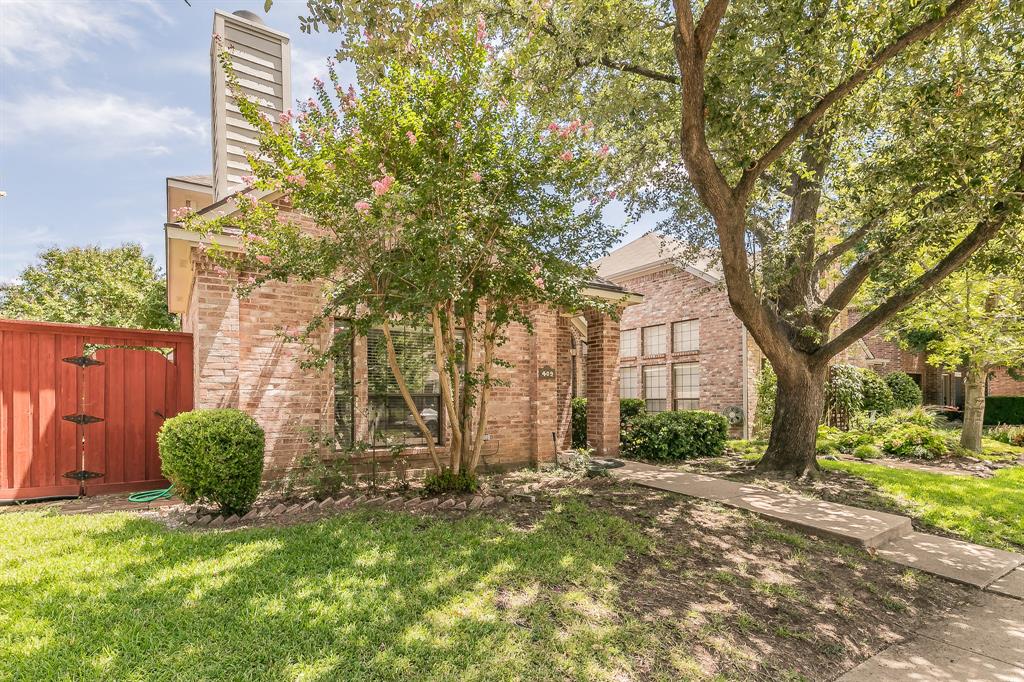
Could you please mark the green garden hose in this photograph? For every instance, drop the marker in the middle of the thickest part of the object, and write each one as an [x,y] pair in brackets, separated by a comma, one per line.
[152,495]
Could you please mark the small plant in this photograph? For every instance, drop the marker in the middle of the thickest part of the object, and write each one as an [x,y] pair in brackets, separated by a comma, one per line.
[764,410]
[843,395]
[915,441]
[1011,435]
[668,436]
[863,452]
[579,422]
[630,408]
[450,482]
[215,456]
[905,391]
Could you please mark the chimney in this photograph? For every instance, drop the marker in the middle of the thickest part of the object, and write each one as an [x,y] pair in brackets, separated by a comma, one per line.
[262,61]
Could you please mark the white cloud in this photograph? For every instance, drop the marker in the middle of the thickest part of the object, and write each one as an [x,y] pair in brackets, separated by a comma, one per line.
[44,34]
[101,123]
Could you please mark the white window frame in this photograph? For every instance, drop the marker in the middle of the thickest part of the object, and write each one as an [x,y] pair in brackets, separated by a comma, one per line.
[686,395]
[629,340]
[652,392]
[663,332]
[686,336]
[631,388]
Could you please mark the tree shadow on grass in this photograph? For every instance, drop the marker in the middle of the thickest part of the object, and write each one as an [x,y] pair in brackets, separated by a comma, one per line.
[367,595]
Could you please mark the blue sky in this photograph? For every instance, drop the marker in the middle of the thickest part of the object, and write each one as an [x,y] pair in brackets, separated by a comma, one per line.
[100,100]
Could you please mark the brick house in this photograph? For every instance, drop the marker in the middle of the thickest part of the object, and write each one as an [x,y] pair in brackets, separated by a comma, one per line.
[684,348]
[242,361]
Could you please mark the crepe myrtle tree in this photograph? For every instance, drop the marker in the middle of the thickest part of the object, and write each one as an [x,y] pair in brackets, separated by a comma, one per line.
[973,321]
[441,203]
[809,146]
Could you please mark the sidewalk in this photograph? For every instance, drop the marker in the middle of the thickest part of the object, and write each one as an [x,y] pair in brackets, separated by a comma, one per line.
[890,535]
[983,641]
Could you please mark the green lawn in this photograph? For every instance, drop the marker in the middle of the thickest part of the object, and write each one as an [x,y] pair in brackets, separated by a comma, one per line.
[366,595]
[989,511]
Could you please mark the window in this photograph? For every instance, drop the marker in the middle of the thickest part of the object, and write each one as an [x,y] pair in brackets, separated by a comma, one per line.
[344,383]
[685,336]
[389,418]
[654,340]
[628,343]
[656,388]
[686,386]
[629,382]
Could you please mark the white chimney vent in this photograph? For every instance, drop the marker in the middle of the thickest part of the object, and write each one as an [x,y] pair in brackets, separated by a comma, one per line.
[262,61]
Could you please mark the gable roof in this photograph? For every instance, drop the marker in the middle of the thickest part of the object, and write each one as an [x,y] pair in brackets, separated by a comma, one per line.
[650,253]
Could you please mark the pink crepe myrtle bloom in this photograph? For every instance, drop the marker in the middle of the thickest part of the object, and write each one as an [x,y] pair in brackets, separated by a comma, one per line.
[258,238]
[383,185]
[481,28]
[539,282]
[181,213]
[603,151]
[317,82]
[553,127]
[263,259]
[285,118]
[219,271]
[612,194]
[566,156]
[535,270]
[249,180]
[411,136]
[329,165]
[458,125]
[297,179]
[476,177]
[362,207]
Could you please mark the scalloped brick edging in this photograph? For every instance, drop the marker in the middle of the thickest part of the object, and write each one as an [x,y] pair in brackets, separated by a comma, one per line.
[281,511]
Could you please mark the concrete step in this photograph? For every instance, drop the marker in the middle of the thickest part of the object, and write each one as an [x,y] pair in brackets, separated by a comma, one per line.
[955,560]
[1010,585]
[863,527]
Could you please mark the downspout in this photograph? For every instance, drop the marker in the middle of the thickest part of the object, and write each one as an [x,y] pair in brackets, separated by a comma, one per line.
[746,381]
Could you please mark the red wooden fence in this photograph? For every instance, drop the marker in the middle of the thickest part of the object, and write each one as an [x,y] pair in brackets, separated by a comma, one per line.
[132,391]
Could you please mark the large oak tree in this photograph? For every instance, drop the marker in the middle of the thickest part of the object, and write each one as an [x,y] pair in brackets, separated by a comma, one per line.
[810,144]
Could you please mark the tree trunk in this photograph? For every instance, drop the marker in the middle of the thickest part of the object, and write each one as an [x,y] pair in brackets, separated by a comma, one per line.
[799,401]
[974,407]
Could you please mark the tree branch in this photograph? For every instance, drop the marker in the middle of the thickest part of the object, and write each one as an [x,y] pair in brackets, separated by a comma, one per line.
[968,246]
[637,70]
[707,25]
[801,124]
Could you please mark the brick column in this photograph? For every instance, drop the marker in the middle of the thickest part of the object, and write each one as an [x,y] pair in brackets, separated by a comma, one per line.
[543,389]
[602,383]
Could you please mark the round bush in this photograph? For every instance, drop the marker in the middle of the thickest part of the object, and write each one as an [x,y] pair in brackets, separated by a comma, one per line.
[876,396]
[215,456]
[866,452]
[914,440]
[905,391]
[667,436]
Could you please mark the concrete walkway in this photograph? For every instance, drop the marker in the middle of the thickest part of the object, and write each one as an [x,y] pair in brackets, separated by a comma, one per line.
[981,642]
[890,535]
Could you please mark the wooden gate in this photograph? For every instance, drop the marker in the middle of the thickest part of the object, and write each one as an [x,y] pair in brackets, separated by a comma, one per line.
[77,401]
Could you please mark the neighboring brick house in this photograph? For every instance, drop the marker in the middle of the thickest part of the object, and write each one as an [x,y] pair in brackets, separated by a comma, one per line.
[242,361]
[684,348]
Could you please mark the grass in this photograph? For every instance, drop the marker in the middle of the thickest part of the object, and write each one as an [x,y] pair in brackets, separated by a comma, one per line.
[988,511]
[366,595]
[997,451]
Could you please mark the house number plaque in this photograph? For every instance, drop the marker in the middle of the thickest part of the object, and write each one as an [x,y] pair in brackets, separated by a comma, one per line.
[547,372]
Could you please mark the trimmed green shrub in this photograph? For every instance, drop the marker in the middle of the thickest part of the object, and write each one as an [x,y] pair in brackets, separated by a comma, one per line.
[670,436]
[630,408]
[867,452]
[449,482]
[1011,435]
[579,422]
[764,409]
[916,416]
[915,441]
[875,396]
[215,456]
[1004,409]
[905,391]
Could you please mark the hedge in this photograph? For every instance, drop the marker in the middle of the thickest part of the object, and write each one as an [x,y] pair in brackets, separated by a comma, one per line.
[1003,409]
[215,456]
[669,436]
[579,422]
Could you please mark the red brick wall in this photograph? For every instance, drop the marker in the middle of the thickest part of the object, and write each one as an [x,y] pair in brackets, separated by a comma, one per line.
[1001,383]
[675,295]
